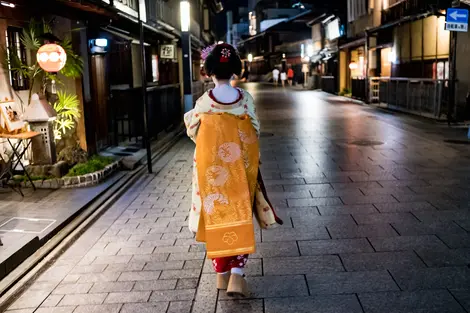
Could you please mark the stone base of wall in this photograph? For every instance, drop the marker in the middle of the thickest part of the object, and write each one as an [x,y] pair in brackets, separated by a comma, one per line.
[75,181]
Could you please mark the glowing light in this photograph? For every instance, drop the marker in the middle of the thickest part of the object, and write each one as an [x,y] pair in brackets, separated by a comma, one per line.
[51,58]
[7,4]
[185,14]
[392,57]
[353,66]
[250,57]
[101,42]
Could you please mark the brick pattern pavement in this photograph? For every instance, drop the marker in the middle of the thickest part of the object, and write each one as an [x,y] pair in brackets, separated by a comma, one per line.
[367,229]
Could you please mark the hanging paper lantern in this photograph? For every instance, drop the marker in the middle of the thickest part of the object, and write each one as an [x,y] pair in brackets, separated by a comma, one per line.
[51,58]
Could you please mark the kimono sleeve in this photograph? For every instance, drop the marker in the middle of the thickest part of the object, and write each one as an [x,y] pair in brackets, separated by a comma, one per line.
[252,113]
[192,121]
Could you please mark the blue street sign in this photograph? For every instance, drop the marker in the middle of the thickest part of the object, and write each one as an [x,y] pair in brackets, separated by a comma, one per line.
[457,20]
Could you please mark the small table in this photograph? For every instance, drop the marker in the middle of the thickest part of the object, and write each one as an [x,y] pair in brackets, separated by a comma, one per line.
[17,153]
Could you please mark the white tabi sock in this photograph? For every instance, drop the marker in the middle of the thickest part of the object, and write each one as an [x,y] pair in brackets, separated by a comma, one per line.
[238,271]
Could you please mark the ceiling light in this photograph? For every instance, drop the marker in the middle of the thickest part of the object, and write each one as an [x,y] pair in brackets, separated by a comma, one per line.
[7,4]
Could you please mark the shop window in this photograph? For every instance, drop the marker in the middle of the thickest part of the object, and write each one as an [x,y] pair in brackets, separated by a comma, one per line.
[16,51]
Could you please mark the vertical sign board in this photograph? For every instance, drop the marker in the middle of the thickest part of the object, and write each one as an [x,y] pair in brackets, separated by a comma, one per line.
[457,20]
[167,52]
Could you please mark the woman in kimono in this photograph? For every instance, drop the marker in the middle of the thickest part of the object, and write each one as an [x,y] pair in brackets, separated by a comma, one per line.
[225,128]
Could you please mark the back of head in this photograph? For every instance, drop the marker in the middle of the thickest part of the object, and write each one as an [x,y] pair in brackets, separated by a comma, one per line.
[222,62]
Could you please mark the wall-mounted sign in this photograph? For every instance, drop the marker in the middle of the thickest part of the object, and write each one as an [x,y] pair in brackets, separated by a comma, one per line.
[457,20]
[168,52]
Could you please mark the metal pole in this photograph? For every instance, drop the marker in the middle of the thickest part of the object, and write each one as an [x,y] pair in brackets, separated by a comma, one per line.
[366,58]
[187,71]
[452,69]
[144,94]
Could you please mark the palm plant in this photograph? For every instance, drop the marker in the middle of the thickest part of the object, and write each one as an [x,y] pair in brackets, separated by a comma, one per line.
[33,73]
[67,108]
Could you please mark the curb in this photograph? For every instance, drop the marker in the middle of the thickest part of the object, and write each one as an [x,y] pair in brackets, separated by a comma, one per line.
[16,282]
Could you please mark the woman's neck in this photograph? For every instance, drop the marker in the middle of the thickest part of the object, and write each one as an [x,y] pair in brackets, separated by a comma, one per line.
[221,82]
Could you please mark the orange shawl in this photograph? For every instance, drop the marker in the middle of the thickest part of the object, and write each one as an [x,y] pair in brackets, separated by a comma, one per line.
[227,150]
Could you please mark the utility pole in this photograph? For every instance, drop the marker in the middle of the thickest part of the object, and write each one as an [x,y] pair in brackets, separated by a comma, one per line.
[185,12]
[144,93]
[452,70]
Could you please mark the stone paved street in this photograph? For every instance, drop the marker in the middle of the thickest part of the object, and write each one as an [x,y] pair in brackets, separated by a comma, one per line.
[376,211]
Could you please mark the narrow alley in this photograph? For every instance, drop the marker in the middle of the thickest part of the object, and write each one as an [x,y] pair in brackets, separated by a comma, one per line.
[376,212]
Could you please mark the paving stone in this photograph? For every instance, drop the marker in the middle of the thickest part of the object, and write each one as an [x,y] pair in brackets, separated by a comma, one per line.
[139,276]
[187,256]
[159,266]
[52,301]
[316,304]
[463,297]
[347,209]
[129,267]
[362,231]
[180,307]
[119,259]
[174,274]
[84,269]
[30,299]
[275,286]
[425,228]
[403,243]
[72,288]
[103,287]
[313,202]
[380,261]
[318,247]
[65,309]
[83,299]
[252,306]
[173,295]
[432,278]
[273,249]
[187,283]
[350,282]
[429,301]
[455,241]
[451,257]
[193,264]
[443,216]
[299,233]
[145,307]
[102,308]
[313,221]
[128,297]
[97,277]
[302,265]
[384,218]
[404,207]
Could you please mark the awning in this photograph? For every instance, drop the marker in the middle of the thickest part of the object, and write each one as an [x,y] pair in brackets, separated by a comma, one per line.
[353,44]
[124,36]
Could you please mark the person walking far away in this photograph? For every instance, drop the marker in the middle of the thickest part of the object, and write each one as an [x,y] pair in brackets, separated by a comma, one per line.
[275,76]
[290,75]
[283,78]
[227,186]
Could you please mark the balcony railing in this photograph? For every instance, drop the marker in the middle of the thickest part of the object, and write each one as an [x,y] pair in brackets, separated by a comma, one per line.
[159,10]
[425,97]
[400,9]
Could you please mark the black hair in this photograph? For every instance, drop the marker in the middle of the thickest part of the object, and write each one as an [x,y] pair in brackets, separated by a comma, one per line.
[221,64]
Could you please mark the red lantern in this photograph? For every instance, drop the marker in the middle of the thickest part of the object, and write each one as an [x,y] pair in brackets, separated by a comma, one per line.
[51,58]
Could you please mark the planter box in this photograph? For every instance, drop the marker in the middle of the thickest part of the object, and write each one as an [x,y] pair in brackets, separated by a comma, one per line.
[75,181]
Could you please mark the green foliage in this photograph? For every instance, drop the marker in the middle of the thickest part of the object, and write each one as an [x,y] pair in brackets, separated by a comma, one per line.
[67,108]
[30,38]
[345,92]
[96,163]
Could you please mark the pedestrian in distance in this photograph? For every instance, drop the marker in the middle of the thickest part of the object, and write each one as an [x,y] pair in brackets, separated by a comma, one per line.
[275,76]
[283,78]
[290,76]
[226,185]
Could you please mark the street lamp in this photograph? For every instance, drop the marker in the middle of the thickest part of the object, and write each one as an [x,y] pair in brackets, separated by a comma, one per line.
[185,14]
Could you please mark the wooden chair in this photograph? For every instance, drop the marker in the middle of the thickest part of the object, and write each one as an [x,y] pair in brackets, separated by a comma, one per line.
[6,174]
